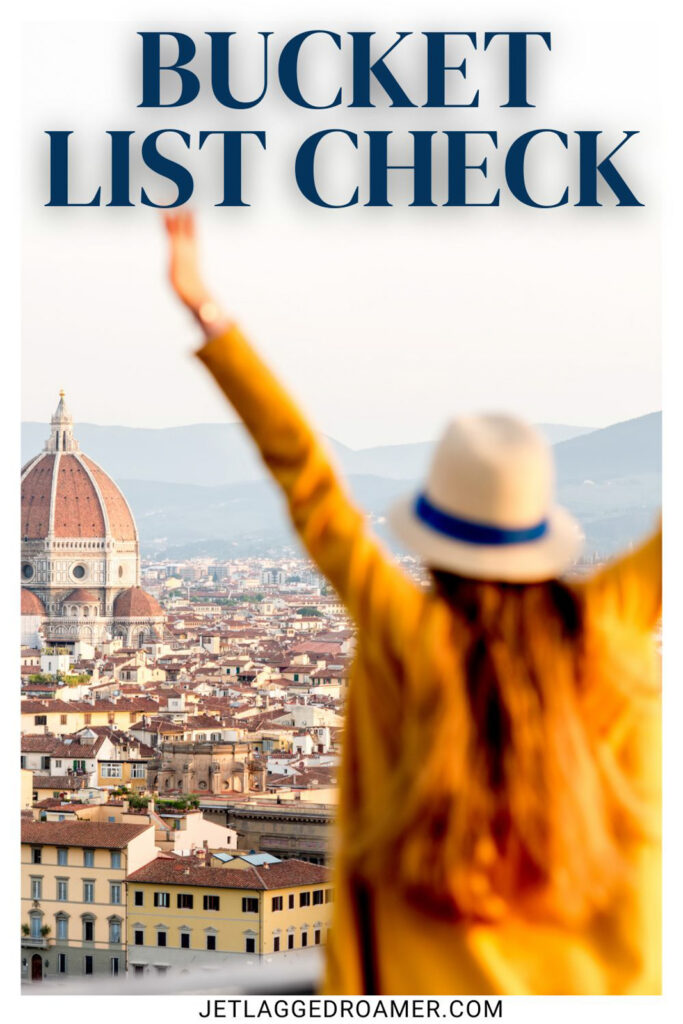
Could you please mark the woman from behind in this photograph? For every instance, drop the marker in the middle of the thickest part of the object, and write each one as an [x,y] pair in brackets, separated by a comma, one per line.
[498,827]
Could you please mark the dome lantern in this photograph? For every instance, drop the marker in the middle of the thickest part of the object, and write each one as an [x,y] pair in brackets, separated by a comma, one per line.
[61,437]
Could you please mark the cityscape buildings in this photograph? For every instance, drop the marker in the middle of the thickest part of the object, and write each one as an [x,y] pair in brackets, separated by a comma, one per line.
[181,724]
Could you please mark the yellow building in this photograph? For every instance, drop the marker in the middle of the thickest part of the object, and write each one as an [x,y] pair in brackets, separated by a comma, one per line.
[73,895]
[131,773]
[185,913]
[26,789]
[61,717]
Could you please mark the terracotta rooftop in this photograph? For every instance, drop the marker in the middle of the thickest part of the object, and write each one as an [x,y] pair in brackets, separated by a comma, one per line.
[58,782]
[93,834]
[136,603]
[31,603]
[84,502]
[283,875]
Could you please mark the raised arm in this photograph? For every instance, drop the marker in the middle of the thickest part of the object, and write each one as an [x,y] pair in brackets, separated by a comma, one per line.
[332,528]
[630,587]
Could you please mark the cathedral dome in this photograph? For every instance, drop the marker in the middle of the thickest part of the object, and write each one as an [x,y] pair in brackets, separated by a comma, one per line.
[64,494]
[81,596]
[136,603]
[31,603]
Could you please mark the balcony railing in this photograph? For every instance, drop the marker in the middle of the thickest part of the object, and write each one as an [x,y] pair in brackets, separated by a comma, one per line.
[34,943]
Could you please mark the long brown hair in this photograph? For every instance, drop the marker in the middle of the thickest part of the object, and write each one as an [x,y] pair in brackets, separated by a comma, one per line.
[514,803]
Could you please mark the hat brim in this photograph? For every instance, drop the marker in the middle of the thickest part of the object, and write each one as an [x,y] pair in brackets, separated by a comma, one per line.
[529,562]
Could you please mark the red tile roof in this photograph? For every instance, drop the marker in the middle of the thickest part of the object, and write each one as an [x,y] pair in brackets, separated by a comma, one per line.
[82,596]
[121,522]
[100,834]
[84,500]
[136,603]
[283,875]
[36,491]
[31,603]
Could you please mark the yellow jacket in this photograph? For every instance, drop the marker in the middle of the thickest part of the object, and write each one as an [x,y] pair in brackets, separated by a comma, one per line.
[404,632]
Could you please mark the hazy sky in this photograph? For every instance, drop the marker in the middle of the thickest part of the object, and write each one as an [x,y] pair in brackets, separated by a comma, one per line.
[385,322]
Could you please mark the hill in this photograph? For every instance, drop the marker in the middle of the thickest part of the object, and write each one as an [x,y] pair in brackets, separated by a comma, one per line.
[609,478]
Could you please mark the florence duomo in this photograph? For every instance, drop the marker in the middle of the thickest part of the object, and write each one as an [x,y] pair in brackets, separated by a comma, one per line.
[80,554]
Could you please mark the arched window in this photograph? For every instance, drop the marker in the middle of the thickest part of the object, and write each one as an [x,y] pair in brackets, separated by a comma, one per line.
[115,930]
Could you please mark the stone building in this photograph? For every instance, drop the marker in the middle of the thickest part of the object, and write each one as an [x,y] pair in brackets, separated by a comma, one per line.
[292,828]
[203,766]
[80,557]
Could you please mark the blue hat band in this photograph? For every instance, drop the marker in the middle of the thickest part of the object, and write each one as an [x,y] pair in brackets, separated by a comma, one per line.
[471,531]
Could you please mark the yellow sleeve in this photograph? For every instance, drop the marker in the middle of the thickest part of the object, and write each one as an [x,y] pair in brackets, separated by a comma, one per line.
[630,587]
[332,528]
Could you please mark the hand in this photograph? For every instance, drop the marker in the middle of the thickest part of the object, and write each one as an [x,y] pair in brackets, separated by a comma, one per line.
[183,271]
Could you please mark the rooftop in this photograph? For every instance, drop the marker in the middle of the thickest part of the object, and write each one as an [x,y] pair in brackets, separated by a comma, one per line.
[92,834]
[283,874]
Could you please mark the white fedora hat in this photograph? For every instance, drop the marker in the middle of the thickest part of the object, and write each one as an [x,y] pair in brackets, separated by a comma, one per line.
[487,510]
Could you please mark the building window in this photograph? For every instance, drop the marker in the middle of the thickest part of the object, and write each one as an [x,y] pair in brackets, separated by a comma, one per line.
[36,854]
[88,892]
[36,888]
[162,899]
[161,938]
[62,890]
[88,929]
[138,771]
[58,764]
[114,932]
[304,939]
[62,719]
[36,921]
[115,892]
[212,903]
[250,944]
[317,936]
[304,899]
[277,903]
[318,897]
[114,965]
[276,944]
[138,937]
[111,771]
[249,905]
[290,901]
[185,900]
[139,898]
[62,857]
[184,940]
[61,963]
[62,928]
[87,964]
[210,941]
[87,718]
[290,940]
[88,858]
[23,760]
[40,719]
[328,895]
[116,858]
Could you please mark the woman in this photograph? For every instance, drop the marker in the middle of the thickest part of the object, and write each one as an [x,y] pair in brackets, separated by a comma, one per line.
[499,799]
